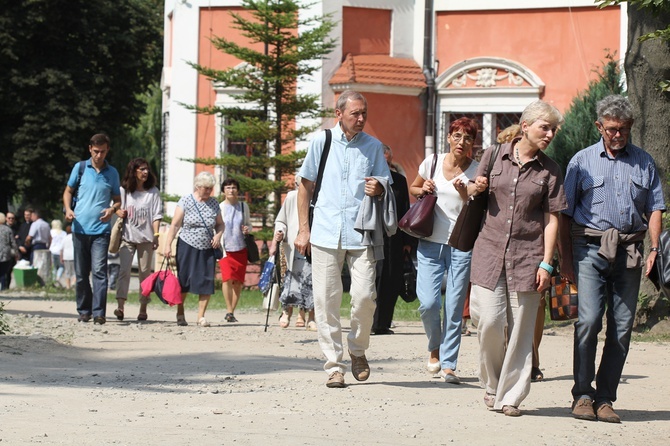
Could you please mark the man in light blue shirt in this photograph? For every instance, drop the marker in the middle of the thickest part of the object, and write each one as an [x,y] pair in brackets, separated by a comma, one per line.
[354,159]
[97,187]
[614,197]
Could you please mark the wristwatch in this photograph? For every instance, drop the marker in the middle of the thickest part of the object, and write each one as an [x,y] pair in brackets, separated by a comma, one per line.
[655,249]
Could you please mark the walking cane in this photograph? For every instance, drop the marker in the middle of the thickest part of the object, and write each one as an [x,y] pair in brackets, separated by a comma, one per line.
[276,277]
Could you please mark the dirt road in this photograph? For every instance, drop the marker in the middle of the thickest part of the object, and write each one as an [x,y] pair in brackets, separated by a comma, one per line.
[125,383]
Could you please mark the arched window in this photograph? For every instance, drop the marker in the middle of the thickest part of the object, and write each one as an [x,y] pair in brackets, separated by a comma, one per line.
[493,91]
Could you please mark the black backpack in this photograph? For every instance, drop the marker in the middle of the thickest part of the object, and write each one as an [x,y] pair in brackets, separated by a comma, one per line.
[82,166]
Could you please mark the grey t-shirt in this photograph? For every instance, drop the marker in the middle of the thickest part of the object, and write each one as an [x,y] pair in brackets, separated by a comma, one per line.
[144,207]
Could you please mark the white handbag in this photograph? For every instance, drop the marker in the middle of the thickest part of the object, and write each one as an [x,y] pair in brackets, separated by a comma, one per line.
[272,298]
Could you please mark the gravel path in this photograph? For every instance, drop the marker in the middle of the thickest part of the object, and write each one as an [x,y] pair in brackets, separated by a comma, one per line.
[126,383]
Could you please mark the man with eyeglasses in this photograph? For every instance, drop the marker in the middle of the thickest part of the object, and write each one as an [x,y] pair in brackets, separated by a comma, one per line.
[614,197]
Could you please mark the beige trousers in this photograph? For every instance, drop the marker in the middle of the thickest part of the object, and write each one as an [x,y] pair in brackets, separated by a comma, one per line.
[327,286]
[504,317]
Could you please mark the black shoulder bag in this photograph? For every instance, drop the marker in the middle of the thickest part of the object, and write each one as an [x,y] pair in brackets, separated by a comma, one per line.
[319,176]
[469,221]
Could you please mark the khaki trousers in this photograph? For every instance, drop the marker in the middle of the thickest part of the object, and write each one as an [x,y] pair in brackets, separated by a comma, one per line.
[504,317]
[327,286]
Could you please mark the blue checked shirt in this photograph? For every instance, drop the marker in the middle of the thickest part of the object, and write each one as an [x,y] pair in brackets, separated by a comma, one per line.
[342,186]
[605,192]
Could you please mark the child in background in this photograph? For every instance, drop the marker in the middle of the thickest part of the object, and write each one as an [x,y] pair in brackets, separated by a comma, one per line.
[67,257]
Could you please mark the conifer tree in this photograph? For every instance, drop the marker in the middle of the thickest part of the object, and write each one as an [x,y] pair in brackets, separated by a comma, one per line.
[579,131]
[268,80]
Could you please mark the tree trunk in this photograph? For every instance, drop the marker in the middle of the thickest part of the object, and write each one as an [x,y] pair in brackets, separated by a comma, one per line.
[647,63]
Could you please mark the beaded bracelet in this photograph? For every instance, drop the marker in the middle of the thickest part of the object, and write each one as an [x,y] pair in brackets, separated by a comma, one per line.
[547,267]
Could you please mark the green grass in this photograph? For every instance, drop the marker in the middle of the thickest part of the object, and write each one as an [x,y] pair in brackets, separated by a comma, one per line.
[251,300]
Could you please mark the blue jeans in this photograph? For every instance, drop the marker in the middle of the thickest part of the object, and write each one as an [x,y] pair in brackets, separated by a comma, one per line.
[434,259]
[90,258]
[602,285]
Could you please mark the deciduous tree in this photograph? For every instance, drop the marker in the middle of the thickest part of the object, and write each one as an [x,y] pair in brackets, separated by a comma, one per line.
[69,69]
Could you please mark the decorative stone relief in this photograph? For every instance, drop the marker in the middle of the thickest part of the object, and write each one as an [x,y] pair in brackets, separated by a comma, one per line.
[487,78]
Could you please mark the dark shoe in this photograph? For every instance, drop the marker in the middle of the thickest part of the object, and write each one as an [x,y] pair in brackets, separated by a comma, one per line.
[84,318]
[119,314]
[606,413]
[142,317]
[511,411]
[181,320]
[359,367]
[230,317]
[383,331]
[582,409]
[335,381]
[100,320]
[536,374]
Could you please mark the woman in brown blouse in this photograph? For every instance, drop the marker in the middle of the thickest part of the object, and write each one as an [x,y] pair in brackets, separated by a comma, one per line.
[512,255]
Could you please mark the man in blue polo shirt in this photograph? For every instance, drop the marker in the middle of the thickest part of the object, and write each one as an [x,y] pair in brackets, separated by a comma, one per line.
[614,197]
[95,190]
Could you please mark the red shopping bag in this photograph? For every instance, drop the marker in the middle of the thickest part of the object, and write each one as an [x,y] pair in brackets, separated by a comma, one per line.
[147,285]
[165,284]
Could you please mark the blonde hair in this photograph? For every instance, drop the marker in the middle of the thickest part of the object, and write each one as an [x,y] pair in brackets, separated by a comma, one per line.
[508,134]
[57,225]
[541,110]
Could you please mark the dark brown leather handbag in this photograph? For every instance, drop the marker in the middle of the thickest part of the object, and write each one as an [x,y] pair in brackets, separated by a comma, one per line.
[563,300]
[418,220]
[469,221]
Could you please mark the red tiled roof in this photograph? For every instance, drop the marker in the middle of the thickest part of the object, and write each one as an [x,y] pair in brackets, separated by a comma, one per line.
[379,70]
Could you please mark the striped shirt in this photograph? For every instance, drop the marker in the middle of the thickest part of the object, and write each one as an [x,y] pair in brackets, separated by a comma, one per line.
[605,192]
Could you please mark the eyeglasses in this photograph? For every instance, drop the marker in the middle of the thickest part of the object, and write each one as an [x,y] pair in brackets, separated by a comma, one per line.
[612,131]
[623,131]
[467,139]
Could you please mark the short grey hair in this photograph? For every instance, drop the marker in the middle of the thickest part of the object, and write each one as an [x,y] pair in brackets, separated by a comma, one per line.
[614,107]
[346,95]
[541,110]
[204,179]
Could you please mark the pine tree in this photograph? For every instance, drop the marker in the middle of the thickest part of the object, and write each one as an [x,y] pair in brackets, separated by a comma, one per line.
[268,80]
[579,131]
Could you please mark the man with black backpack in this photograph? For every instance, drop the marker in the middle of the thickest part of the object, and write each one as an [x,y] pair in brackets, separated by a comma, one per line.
[351,160]
[95,184]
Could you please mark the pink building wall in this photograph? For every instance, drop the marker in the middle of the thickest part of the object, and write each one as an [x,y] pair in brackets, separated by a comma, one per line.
[563,47]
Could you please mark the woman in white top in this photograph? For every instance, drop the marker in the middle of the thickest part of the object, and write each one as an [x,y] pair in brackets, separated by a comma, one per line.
[297,286]
[142,208]
[233,265]
[435,257]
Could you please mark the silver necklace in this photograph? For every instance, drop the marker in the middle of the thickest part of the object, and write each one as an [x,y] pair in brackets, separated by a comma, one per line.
[518,158]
